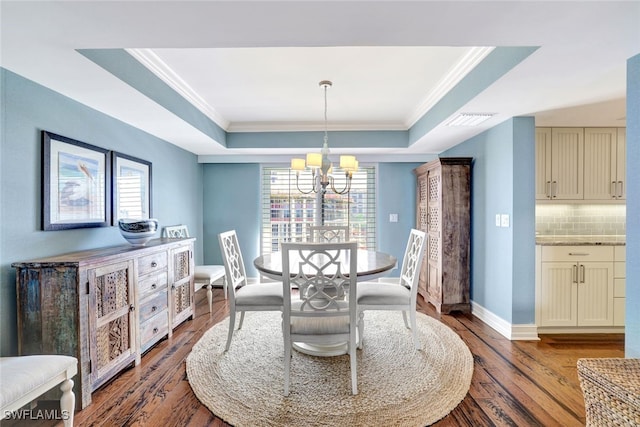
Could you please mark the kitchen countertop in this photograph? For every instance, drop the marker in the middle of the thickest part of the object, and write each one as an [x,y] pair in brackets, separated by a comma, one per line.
[572,240]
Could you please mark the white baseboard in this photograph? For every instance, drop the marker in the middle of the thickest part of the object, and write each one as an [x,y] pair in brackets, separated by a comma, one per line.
[512,332]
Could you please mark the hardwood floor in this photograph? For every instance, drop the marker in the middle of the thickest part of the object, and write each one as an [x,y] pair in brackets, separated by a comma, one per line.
[515,383]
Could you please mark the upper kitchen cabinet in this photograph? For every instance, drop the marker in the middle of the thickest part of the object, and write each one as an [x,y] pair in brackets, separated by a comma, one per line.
[604,163]
[580,164]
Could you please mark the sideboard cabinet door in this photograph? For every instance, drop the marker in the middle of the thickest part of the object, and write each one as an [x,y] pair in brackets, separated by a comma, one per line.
[182,303]
[112,321]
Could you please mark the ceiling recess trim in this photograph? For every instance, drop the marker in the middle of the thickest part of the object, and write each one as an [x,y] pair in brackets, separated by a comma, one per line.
[157,66]
[473,57]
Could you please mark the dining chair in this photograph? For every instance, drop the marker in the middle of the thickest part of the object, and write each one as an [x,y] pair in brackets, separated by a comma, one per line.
[243,296]
[328,233]
[203,275]
[396,296]
[319,313]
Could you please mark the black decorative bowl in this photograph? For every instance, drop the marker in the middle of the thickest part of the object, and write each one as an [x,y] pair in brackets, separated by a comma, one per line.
[138,231]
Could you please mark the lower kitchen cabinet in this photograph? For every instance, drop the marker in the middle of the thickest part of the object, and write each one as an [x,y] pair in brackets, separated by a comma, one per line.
[619,285]
[105,307]
[576,287]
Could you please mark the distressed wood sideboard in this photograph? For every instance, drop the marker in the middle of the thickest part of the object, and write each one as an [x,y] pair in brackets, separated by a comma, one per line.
[104,306]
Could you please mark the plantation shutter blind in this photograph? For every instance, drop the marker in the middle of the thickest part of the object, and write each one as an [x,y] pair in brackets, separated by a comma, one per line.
[287,213]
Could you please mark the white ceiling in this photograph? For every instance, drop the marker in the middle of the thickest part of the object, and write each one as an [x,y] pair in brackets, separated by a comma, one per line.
[255,66]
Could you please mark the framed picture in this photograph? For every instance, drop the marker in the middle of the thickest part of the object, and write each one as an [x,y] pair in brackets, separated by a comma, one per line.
[131,187]
[76,183]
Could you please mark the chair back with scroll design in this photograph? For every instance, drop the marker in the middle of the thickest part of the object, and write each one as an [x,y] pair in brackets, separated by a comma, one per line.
[324,273]
[329,233]
[243,296]
[396,296]
[175,231]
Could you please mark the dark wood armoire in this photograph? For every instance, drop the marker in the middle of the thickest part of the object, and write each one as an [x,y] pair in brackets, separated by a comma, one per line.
[443,204]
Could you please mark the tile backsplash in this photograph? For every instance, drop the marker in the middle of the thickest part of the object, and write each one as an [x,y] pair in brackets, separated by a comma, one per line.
[574,219]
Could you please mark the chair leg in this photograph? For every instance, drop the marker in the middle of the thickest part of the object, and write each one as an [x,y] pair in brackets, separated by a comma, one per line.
[414,329]
[360,329]
[210,297]
[354,373]
[287,363]
[406,321]
[224,286]
[67,402]
[241,320]
[232,324]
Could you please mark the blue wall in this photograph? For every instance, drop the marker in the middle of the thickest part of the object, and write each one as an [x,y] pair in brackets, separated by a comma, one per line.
[28,108]
[502,259]
[632,322]
[225,210]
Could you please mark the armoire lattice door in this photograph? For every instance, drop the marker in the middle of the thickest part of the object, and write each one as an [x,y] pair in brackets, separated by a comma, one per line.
[112,323]
[443,213]
[182,302]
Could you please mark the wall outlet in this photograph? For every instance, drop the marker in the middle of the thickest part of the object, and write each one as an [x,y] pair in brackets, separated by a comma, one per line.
[393,217]
[504,220]
[497,220]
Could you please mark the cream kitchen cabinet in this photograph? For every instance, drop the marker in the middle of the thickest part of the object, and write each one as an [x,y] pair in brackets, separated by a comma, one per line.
[559,163]
[604,163]
[580,164]
[619,285]
[576,287]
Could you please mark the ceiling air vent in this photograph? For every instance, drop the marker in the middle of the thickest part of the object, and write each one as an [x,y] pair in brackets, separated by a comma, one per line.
[469,119]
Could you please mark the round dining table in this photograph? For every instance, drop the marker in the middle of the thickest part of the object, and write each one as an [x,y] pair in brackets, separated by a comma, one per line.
[371,265]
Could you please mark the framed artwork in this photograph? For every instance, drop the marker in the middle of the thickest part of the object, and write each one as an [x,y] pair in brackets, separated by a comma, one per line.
[76,181]
[131,187]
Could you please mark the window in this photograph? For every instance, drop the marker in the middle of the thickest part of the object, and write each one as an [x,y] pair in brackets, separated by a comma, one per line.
[287,213]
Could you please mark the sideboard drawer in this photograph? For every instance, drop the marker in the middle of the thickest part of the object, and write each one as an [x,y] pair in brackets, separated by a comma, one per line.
[152,283]
[153,330]
[150,263]
[153,306]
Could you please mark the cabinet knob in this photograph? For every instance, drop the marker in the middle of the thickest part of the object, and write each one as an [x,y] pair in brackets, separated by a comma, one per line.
[155,330]
[154,286]
[132,307]
[154,308]
[154,264]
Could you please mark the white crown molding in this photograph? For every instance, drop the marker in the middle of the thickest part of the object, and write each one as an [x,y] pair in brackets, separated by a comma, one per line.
[313,126]
[512,332]
[157,66]
[468,62]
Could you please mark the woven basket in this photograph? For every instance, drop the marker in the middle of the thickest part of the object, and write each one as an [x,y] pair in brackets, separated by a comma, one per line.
[611,388]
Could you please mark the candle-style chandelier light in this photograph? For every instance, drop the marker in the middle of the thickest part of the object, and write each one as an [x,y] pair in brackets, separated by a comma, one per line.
[320,165]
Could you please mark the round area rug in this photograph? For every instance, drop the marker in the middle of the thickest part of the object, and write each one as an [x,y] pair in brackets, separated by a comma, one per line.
[397,385]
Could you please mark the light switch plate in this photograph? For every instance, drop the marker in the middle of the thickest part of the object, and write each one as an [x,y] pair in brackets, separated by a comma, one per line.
[393,217]
[504,220]
[497,220]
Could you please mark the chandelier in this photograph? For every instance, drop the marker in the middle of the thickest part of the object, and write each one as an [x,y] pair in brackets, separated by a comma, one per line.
[321,166]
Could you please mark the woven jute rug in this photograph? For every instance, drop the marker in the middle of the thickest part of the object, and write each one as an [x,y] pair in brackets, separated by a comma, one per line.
[397,385]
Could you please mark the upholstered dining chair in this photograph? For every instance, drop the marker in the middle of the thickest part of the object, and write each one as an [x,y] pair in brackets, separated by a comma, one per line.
[319,313]
[204,275]
[328,233]
[396,296]
[243,296]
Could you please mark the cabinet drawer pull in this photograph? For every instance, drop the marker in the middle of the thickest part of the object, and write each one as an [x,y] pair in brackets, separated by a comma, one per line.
[621,191]
[554,189]
[154,264]
[581,273]
[155,330]
[579,254]
[154,308]
[574,275]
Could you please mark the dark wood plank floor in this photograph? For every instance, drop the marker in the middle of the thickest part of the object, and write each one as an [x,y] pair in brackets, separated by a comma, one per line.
[515,383]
